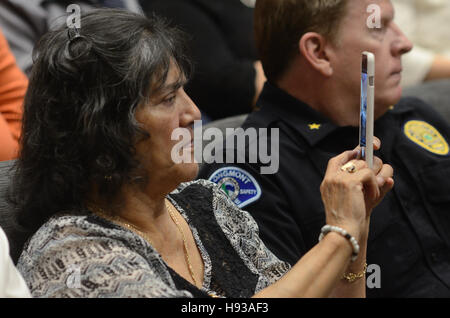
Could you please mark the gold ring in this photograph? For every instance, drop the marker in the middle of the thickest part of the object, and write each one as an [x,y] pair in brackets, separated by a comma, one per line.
[349,167]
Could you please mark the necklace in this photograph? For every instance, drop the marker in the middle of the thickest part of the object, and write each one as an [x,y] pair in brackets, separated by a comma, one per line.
[186,252]
[119,220]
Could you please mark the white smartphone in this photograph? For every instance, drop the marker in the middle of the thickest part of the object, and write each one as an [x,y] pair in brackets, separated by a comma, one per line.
[367,105]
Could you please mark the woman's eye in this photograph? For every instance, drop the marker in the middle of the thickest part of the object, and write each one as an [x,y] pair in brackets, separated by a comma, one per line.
[169,100]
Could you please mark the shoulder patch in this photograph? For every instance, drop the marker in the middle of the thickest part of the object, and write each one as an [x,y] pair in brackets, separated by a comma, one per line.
[426,136]
[237,184]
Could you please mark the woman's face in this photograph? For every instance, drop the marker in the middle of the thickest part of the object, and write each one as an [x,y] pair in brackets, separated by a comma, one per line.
[170,109]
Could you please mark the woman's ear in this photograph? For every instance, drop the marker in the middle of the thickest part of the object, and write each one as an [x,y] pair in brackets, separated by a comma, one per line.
[312,47]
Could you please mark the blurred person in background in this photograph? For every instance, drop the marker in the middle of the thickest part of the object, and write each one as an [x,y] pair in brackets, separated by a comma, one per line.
[427,24]
[12,284]
[24,21]
[13,86]
[227,78]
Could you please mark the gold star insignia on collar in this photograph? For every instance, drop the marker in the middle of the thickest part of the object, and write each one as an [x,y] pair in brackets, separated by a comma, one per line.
[314,126]
[391,107]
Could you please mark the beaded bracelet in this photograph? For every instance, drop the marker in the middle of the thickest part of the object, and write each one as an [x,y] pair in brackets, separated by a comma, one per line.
[329,228]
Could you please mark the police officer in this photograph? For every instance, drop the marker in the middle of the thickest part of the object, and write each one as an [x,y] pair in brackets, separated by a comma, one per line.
[312,98]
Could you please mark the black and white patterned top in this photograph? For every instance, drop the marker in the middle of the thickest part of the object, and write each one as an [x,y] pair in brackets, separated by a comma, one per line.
[83,255]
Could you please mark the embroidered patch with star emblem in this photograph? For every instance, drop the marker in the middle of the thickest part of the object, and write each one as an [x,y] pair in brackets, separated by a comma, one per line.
[237,184]
[427,137]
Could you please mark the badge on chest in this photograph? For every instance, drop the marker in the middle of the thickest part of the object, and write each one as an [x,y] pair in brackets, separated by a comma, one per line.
[237,184]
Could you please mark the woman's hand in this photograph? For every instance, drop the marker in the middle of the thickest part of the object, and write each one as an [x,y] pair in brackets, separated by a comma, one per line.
[349,197]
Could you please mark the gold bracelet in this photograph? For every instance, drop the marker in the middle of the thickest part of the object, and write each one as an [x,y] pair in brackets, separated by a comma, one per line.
[351,277]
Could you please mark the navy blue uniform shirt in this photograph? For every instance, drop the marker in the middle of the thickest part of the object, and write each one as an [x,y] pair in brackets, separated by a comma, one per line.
[410,230]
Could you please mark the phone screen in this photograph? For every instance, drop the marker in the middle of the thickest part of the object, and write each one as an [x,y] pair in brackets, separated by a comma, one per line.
[363,111]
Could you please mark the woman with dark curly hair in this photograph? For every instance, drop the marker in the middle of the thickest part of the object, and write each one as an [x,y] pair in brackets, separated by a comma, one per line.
[114,216]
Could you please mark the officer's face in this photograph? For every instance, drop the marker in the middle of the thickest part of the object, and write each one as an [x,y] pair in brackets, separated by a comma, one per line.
[388,43]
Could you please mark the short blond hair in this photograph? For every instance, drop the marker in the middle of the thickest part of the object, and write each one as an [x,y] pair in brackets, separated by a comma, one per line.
[279,25]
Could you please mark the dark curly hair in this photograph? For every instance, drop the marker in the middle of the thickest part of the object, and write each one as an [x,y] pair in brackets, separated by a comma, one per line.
[79,123]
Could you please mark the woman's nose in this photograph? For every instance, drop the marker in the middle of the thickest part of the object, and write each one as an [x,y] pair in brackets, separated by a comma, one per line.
[191,112]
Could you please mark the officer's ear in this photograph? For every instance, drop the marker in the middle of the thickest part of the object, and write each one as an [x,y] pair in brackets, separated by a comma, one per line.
[312,47]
